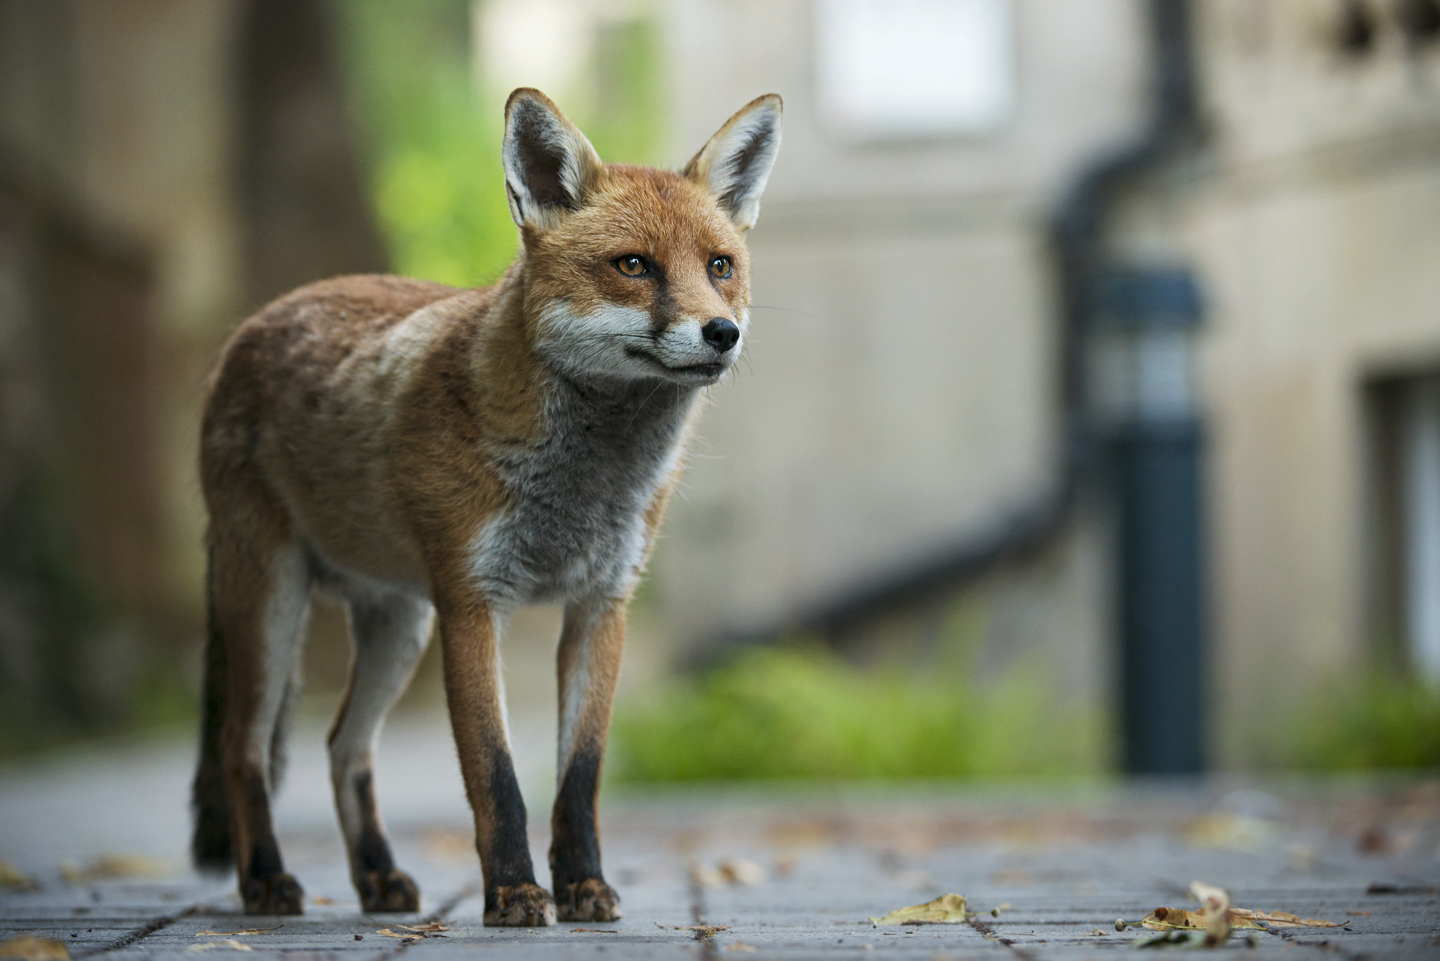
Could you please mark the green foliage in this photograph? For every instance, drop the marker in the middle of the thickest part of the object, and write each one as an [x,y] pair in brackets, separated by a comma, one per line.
[1384,722]
[432,135]
[433,148]
[804,713]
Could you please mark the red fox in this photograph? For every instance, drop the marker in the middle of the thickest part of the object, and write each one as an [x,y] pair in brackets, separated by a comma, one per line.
[427,453]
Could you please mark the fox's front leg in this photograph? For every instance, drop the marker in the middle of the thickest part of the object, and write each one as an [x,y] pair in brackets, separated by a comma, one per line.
[469,635]
[591,643]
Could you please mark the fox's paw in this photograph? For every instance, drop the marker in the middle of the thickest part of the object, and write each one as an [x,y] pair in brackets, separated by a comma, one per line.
[277,894]
[387,891]
[519,906]
[588,900]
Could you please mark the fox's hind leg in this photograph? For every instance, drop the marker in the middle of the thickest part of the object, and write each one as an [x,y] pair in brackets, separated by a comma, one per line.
[588,664]
[262,599]
[389,637]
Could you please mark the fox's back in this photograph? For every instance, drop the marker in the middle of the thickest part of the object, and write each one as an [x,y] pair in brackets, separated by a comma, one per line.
[304,398]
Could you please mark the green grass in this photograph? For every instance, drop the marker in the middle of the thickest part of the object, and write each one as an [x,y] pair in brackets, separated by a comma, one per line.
[1386,721]
[801,712]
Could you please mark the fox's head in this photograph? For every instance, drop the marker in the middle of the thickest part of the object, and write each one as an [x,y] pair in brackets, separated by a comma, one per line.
[633,272]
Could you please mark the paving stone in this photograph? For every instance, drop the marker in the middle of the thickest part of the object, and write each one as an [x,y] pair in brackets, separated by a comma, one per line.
[1056,864]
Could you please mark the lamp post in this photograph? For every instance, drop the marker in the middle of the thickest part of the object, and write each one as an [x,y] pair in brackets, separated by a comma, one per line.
[1142,355]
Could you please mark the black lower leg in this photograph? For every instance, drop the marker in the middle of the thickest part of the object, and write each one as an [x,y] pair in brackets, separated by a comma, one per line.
[381,886]
[581,893]
[574,845]
[511,895]
[264,885]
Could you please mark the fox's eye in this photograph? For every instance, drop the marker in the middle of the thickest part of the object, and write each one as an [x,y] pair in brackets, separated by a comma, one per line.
[720,267]
[631,266]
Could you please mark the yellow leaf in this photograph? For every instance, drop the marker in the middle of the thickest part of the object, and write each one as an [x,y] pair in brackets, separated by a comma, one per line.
[946,909]
[30,948]
[16,880]
[246,931]
[110,866]
[404,936]
[427,928]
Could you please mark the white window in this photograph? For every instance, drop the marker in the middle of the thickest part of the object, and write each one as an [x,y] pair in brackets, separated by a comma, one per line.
[900,69]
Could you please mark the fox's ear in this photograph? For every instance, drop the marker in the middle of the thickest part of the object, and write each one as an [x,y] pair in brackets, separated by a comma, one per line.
[549,165]
[736,162]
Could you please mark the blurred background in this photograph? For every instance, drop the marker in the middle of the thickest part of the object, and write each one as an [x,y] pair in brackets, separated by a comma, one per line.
[1090,418]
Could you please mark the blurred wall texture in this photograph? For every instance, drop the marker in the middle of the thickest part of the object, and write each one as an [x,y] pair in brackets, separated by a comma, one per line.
[165,167]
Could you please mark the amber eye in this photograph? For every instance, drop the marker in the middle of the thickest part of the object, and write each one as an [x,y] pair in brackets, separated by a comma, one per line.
[720,268]
[631,266]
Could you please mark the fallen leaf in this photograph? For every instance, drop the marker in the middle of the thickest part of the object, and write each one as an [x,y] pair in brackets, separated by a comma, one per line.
[703,932]
[740,946]
[1179,919]
[429,927]
[322,901]
[110,866]
[211,945]
[946,909]
[1277,919]
[1358,914]
[1099,931]
[1215,904]
[741,871]
[246,931]
[403,936]
[30,948]
[13,879]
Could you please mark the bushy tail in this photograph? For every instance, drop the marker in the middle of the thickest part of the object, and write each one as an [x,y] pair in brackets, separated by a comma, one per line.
[209,804]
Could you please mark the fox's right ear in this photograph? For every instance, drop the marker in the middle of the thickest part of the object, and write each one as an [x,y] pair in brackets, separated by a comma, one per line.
[736,163]
[549,165]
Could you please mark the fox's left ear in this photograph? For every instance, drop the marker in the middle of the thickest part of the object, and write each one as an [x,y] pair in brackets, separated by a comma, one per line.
[736,162]
[549,165]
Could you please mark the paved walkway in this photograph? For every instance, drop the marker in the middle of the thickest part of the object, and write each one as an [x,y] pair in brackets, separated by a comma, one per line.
[779,873]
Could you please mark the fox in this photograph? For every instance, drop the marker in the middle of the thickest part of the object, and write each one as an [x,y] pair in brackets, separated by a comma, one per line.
[436,458]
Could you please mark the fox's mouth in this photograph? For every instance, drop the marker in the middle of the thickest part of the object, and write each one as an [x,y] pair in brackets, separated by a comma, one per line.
[711,371]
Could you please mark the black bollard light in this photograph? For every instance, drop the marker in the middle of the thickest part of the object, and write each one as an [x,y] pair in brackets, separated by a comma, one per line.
[1143,382]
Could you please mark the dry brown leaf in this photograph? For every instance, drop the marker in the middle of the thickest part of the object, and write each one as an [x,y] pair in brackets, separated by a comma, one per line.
[429,927]
[402,935]
[1277,919]
[1215,904]
[13,879]
[246,931]
[322,901]
[232,944]
[30,948]
[946,909]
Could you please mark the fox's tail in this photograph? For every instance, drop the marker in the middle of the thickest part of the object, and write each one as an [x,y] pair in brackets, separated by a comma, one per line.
[209,804]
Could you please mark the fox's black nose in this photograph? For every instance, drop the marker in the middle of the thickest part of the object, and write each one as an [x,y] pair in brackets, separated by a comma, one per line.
[720,334]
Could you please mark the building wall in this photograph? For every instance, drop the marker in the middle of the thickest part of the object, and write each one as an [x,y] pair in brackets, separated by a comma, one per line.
[898,392]
[1312,215]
